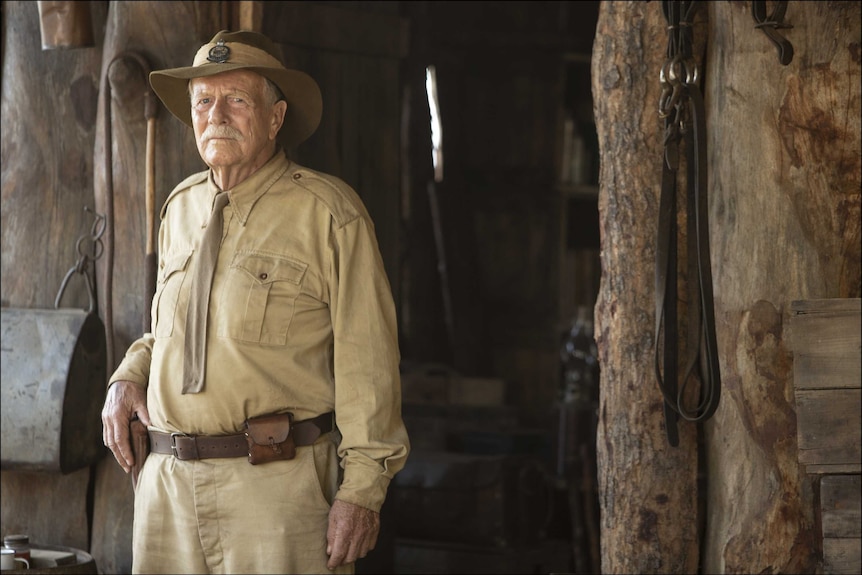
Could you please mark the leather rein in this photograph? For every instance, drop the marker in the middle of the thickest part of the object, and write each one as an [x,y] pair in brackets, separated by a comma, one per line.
[681,107]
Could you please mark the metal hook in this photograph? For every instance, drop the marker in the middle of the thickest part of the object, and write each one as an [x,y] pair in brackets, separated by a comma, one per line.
[97,229]
[770,25]
[99,223]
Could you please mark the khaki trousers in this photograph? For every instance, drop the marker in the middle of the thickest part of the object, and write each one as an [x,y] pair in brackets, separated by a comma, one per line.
[228,516]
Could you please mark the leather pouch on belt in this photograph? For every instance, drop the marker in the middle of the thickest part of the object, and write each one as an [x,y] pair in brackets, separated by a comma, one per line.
[269,438]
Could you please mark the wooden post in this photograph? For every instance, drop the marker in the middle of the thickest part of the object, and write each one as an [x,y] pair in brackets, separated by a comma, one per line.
[647,489]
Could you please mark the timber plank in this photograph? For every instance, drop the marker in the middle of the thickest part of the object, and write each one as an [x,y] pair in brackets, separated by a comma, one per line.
[828,426]
[841,506]
[841,556]
[827,469]
[827,339]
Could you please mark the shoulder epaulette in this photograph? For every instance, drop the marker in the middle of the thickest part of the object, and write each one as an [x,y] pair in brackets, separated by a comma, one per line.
[192,180]
[339,197]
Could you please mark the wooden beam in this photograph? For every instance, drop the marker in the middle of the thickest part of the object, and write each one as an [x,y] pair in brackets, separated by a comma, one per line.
[828,426]
[827,337]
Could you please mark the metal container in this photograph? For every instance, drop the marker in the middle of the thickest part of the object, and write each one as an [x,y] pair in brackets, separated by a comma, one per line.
[53,374]
[18,543]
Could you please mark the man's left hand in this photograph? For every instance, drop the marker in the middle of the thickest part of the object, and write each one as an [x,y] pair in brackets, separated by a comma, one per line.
[352,533]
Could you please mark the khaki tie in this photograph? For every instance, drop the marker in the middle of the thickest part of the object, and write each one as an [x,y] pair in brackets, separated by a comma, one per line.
[195,357]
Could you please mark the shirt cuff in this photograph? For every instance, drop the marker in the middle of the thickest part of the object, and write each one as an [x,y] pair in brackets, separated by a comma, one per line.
[364,487]
[135,366]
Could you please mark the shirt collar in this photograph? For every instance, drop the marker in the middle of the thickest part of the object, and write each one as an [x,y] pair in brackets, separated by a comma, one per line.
[244,195]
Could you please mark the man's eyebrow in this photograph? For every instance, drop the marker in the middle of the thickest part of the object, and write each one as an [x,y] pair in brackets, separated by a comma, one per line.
[237,90]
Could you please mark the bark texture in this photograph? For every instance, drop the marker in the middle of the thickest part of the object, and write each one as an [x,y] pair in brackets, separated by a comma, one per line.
[647,489]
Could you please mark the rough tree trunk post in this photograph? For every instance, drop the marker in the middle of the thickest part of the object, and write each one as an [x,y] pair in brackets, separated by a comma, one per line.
[647,489]
[784,155]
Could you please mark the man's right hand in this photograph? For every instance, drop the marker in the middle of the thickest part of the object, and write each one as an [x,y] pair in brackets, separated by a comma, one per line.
[125,399]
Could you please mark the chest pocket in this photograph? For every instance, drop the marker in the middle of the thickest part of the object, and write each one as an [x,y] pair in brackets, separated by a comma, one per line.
[171,277]
[260,297]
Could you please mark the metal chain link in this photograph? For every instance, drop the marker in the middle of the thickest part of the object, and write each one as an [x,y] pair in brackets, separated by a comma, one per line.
[89,248]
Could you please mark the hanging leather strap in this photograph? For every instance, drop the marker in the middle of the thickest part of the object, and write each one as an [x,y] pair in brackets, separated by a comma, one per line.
[683,109]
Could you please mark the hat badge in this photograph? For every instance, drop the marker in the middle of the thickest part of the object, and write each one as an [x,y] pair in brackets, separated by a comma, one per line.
[219,53]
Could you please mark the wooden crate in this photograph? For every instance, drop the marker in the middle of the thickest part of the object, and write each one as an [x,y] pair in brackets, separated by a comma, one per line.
[841,518]
[827,380]
[827,363]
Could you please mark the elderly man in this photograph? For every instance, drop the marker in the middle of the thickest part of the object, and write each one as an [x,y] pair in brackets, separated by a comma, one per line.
[269,384]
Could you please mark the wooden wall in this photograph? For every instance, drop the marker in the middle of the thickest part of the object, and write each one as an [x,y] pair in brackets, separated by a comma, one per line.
[784,205]
[49,106]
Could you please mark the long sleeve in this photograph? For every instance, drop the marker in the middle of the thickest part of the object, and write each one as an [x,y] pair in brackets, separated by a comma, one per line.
[374,442]
[136,363]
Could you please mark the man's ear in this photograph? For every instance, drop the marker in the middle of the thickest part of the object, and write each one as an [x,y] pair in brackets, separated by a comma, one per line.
[279,109]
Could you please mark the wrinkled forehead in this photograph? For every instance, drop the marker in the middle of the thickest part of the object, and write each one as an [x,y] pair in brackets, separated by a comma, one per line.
[241,80]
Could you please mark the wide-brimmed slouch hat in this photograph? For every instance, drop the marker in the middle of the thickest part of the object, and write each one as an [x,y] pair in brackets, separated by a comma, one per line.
[245,50]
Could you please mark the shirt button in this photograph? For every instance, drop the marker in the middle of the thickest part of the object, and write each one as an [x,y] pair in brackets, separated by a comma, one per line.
[263,276]
[296,176]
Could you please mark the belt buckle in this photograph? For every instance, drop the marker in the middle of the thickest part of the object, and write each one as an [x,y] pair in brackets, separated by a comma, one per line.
[174,436]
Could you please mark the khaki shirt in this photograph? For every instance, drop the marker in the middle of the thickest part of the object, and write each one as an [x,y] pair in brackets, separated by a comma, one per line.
[301,319]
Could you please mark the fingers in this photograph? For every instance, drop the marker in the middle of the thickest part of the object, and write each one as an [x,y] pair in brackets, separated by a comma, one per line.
[345,552]
[124,399]
[117,440]
[115,434]
[336,546]
[352,533]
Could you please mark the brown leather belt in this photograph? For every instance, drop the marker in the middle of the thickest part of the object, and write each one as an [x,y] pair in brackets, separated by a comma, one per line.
[186,447]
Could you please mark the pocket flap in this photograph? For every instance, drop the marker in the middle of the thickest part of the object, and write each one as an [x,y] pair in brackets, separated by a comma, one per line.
[269,268]
[268,429]
[174,263]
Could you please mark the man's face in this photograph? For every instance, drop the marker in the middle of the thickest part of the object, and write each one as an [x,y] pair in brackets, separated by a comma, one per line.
[234,125]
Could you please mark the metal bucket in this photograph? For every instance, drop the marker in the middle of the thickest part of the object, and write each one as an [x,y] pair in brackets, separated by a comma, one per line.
[53,373]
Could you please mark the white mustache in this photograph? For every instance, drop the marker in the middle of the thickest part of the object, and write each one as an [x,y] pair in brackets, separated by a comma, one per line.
[221,132]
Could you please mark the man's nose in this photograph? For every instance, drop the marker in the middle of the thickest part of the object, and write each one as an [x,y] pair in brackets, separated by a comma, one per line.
[218,111]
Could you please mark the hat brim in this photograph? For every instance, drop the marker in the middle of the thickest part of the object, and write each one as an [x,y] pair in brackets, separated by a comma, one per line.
[304,100]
